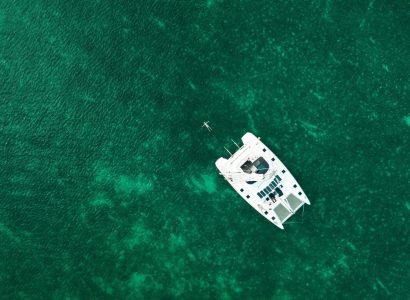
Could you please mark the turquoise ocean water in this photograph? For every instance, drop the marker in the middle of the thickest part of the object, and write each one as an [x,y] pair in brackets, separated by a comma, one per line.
[108,188]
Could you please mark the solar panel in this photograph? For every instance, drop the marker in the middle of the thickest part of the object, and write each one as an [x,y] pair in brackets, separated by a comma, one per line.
[273,183]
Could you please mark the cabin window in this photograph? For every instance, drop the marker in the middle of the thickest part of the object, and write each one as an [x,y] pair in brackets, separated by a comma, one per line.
[247,167]
[259,166]
[247,196]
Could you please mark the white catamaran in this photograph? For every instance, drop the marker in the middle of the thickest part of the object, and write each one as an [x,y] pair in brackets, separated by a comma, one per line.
[263,180]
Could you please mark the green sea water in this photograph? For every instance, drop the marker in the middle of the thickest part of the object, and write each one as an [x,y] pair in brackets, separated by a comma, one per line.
[108,188]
